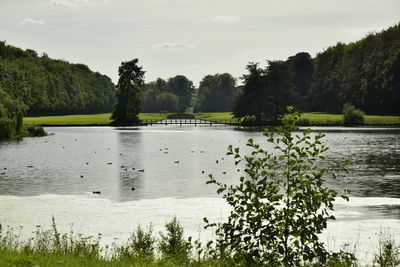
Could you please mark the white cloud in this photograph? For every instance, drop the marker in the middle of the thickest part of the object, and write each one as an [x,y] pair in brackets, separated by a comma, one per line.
[175,46]
[79,3]
[225,19]
[31,21]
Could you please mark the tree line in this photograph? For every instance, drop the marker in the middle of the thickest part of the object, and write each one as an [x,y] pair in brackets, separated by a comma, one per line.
[215,94]
[51,87]
[365,74]
[171,95]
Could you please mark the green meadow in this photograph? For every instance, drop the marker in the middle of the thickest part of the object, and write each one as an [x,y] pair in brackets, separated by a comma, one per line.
[313,118]
[91,119]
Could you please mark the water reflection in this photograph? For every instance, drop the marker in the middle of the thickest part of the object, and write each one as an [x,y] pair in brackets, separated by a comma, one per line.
[173,159]
[131,169]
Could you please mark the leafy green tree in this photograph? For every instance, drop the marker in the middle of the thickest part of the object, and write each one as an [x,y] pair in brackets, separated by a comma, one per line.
[161,85]
[250,100]
[279,89]
[265,93]
[150,100]
[183,88]
[11,116]
[281,205]
[167,102]
[301,66]
[216,93]
[131,78]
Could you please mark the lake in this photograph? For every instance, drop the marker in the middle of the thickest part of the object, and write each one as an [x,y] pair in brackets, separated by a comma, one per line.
[167,166]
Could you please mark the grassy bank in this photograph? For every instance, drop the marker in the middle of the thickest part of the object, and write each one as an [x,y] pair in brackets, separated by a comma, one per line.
[91,119]
[318,118]
[314,118]
[52,248]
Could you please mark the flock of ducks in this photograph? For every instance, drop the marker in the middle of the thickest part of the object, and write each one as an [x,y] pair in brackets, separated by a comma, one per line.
[165,151]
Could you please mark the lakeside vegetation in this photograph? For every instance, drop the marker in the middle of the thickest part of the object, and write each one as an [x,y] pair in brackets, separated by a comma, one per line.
[11,119]
[54,248]
[315,118]
[341,76]
[50,247]
[274,221]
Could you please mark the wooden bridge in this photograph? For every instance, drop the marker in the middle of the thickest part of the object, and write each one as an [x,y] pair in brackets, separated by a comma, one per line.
[194,122]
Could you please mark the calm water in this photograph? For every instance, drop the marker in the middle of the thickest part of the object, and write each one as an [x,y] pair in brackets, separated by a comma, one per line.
[56,175]
[169,161]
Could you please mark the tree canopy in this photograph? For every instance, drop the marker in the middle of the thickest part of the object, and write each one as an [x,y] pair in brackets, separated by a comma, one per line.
[50,87]
[11,115]
[173,95]
[216,93]
[183,88]
[265,92]
[128,106]
[365,74]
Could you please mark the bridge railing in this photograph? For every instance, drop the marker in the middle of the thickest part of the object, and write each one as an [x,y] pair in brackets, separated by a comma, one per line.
[210,122]
[191,122]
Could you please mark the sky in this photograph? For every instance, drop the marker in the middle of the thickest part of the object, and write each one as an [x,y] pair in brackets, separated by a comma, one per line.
[188,37]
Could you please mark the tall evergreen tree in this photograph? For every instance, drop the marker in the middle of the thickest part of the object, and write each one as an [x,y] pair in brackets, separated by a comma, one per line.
[131,78]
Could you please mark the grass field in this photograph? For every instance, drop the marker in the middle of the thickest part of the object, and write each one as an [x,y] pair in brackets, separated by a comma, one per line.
[318,118]
[314,118]
[93,119]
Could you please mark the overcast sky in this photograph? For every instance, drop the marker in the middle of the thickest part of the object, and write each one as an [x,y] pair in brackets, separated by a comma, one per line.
[189,37]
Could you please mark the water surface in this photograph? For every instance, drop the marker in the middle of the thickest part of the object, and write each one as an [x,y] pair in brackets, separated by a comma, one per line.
[167,166]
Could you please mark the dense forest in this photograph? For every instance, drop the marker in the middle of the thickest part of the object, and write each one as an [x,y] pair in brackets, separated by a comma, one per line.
[365,74]
[49,87]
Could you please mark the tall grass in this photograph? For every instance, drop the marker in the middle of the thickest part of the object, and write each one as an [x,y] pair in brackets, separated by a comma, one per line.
[143,248]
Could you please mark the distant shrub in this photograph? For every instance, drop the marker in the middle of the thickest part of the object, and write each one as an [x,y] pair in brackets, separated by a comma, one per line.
[303,121]
[352,115]
[35,130]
